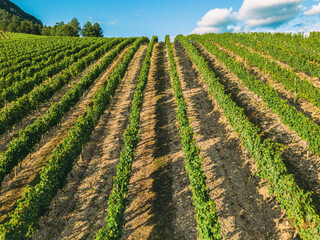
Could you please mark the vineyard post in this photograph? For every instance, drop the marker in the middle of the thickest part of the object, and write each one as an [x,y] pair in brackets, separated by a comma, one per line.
[295,90]
[80,155]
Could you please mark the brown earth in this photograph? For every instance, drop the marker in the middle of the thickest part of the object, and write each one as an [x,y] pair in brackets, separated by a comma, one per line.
[160,198]
[28,173]
[253,214]
[80,208]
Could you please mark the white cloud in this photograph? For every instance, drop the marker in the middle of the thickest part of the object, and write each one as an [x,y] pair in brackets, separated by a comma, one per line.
[203,30]
[113,22]
[269,13]
[216,20]
[253,14]
[315,10]
[218,17]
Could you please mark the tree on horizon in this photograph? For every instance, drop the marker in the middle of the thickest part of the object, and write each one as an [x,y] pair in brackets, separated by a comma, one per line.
[92,31]
[75,23]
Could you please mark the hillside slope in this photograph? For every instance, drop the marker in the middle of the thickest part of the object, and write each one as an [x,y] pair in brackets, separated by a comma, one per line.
[13,9]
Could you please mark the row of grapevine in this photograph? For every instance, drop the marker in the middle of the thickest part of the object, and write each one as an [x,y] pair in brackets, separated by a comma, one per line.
[16,48]
[23,220]
[118,198]
[25,85]
[313,40]
[296,44]
[292,198]
[32,65]
[41,54]
[36,51]
[9,77]
[288,78]
[21,146]
[4,35]
[277,52]
[306,128]
[24,105]
[205,209]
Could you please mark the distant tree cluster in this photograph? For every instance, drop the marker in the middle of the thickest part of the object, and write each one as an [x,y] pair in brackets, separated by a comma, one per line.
[13,23]
[90,30]
[61,29]
[73,29]
[14,19]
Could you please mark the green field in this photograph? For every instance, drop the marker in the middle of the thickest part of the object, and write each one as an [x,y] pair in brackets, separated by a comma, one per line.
[213,136]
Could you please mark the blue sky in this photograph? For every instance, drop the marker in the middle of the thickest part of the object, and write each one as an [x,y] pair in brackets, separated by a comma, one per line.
[140,17]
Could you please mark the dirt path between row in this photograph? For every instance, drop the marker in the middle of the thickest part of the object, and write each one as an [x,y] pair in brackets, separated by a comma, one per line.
[41,111]
[160,198]
[246,210]
[12,189]
[79,210]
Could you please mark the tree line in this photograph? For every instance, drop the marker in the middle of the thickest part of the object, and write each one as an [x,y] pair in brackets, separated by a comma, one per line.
[13,23]
[73,29]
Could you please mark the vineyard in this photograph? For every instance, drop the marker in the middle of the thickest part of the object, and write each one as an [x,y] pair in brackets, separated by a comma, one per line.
[213,136]
[5,35]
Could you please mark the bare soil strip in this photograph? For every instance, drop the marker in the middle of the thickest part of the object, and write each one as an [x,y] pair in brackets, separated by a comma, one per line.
[246,209]
[314,80]
[79,210]
[43,108]
[13,186]
[301,105]
[160,197]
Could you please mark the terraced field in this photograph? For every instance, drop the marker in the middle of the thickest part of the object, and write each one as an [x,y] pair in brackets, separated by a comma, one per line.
[208,137]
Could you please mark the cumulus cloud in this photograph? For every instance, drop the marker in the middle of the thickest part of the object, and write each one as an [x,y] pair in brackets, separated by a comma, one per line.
[216,20]
[315,10]
[203,30]
[269,13]
[253,14]
[218,17]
